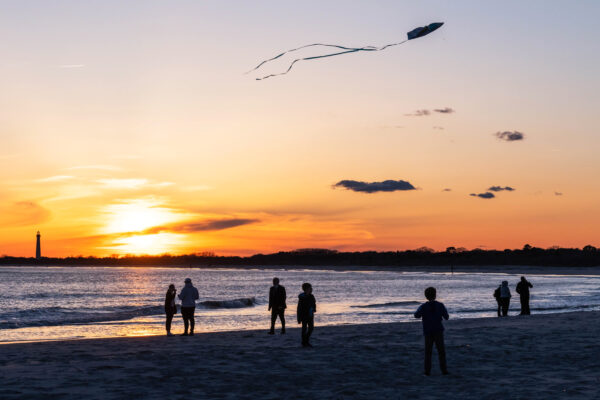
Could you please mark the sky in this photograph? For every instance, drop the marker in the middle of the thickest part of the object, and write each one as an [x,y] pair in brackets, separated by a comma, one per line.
[133,128]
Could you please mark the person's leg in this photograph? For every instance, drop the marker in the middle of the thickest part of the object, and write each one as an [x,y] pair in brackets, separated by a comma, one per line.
[192,321]
[311,326]
[428,350]
[184,315]
[523,310]
[499,307]
[168,323]
[504,306]
[282,319]
[273,319]
[304,329]
[441,349]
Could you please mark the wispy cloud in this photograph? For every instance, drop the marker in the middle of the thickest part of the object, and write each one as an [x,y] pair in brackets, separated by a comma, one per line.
[500,188]
[201,226]
[445,110]
[446,190]
[441,128]
[373,187]
[70,66]
[510,136]
[23,213]
[486,195]
[419,113]
[558,194]
[55,178]
[95,167]
[116,183]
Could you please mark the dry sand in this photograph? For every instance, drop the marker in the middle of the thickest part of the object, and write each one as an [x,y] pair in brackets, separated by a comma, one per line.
[553,356]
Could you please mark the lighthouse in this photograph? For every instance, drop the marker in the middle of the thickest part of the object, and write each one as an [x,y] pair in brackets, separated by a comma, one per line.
[38,248]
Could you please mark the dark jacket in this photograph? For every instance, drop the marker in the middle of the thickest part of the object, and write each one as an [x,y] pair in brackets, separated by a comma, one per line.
[307,306]
[170,307]
[277,297]
[497,294]
[432,313]
[188,295]
[523,288]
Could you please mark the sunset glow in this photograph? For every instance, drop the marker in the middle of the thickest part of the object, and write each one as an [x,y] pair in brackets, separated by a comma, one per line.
[159,143]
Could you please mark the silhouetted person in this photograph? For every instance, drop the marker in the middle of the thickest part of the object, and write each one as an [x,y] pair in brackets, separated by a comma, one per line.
[498,300]
[307,307]
[277,305]
[170,307]
[432,313]
[504,298]
[188,296]
[523,290]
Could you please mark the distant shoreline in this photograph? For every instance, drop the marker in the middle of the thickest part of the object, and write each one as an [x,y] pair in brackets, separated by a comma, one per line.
[492,269]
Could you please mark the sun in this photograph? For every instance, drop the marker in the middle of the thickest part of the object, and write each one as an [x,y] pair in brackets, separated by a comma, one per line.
[126,224]
[136,216]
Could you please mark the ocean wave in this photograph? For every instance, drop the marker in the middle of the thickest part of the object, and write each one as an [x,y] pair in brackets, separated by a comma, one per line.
[392,304]
[54,316]
[235,303]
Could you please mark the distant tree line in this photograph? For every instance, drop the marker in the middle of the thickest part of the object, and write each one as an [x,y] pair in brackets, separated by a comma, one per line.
[528,255]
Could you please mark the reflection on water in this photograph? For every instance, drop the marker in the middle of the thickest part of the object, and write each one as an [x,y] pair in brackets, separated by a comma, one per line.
[75,302]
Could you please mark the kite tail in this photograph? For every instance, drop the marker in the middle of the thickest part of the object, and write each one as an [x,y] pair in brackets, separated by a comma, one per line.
[347,50]
[305,46]
[307,58]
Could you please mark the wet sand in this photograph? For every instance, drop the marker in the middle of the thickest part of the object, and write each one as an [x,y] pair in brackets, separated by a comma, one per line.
[552,356]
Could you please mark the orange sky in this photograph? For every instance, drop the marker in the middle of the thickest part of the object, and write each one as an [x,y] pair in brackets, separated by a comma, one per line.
[144,136]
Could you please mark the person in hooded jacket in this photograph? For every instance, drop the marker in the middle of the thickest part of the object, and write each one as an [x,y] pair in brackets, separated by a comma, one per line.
[170,307]
[505,298]
[188,297]
[307,307]
[432,312]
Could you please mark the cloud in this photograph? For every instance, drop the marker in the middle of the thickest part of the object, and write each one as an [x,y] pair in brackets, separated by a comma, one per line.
[23,213]
[96,167]
[441,128]
[372,187]
[500,188]
[419,113]
[558,194]
[446,190]
[509,136]
[486,195]
[445,110]
[131,183]
[201,226]
[70,66]
[56,178]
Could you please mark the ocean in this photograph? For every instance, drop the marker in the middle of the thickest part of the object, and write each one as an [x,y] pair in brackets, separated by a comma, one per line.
[54,303]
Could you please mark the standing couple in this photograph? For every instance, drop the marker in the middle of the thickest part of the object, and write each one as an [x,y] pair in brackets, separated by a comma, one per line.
[188,297]
[307,307]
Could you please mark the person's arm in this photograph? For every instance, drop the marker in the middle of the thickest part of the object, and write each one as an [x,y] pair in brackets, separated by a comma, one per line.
[419,312]
[196,294]
[445,313]
[298,310]
[530,284]
[314,305]
[180,293]
[270,299]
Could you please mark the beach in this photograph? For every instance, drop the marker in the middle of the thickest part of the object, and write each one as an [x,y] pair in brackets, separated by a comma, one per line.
[538,357]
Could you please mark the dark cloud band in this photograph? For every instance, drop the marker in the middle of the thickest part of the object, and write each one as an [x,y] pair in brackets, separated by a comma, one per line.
[373,187]
[510,136]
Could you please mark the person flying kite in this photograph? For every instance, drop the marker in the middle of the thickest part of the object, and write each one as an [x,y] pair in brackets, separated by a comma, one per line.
[414,34]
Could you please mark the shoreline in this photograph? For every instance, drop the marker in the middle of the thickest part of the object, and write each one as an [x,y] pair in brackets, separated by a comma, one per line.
[536,357]
[495,269]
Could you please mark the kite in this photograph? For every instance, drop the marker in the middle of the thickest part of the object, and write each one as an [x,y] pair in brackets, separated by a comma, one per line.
[414,34]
